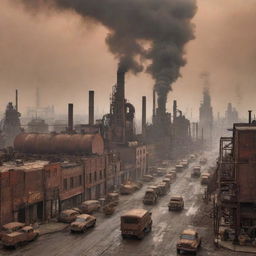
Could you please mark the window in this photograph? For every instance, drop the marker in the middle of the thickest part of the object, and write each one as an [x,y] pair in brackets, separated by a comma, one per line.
[65,184]
[95,176]
[71,182]
[80,180]
[90,178]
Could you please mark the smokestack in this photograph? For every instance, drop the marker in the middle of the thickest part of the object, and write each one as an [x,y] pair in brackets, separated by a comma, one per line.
[144,114]
[154,103]
[91,107]
[250,116]
[174,109]
[120,83]
[70,117]
[16,100]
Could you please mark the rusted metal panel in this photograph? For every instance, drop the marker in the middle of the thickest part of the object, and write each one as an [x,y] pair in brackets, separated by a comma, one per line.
[59,143]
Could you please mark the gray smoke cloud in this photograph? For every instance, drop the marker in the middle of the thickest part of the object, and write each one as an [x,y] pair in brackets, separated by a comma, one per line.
[141,31]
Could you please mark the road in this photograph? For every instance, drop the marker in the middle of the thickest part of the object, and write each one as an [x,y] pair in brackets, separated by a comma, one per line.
[105,238]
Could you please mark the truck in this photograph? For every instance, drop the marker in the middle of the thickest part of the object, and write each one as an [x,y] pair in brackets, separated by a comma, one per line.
[136,223]
[176,203]
[196,172]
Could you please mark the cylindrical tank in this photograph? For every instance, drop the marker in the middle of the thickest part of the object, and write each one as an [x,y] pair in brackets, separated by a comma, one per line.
[36,143]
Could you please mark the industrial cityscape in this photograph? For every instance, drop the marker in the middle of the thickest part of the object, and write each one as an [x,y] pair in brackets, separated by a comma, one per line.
[144,178]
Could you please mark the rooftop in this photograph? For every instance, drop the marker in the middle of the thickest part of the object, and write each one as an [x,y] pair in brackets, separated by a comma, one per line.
[137,213]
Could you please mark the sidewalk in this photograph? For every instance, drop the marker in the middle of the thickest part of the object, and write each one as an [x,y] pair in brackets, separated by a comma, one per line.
[236,248]
[52,227]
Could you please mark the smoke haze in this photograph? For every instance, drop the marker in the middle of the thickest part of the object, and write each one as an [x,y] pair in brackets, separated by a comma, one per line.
[62,53]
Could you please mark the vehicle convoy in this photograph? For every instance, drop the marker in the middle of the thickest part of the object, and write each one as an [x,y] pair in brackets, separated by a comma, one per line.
[196,172]
[11,227]
[136,223]
[162,188]
[82,223]
[205,178]
[150,197]
[176,203]
[189,241]
[23,235]
[90,206]
[68,216]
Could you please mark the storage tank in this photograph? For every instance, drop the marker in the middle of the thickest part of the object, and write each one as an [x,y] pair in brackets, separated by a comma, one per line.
[39,143]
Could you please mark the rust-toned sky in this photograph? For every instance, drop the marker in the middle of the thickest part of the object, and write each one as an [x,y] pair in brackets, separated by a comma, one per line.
[65,57]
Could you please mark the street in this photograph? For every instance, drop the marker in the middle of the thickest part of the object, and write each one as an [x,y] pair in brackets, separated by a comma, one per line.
[105,238]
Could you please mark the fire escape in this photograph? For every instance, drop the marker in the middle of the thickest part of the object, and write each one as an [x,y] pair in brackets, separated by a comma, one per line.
[226,204]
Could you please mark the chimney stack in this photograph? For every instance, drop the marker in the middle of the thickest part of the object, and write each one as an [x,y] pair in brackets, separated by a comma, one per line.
[250,116]
[120,84]
[144,114]
[91,108]
[70,117]
[174,109]
[16,100]
[196,131]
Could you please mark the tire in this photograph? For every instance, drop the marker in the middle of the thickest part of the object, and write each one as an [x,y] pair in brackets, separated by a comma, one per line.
[178,251]
[141,236]
[84,229]
[94,223]
[124,236]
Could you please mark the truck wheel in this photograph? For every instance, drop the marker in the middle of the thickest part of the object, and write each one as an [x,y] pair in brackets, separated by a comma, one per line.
[84,229]
[178,251]
[141,236]
[124,236]
[94,223]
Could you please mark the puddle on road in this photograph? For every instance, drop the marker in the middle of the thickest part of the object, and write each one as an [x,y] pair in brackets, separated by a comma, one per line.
[192,210]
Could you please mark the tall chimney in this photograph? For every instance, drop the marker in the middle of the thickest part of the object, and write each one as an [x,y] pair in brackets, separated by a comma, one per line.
[250,116]
[16,100]
[70,117]
[144,114]
[120,83]
[174,109]
[91,107]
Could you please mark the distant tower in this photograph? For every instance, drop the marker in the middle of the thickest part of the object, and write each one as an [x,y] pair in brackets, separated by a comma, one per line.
[206,117]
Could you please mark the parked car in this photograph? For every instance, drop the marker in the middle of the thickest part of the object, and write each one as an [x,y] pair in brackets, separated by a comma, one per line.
[176,203]
[90,206]
[136,222]
[205,178]
[25,234]
[179,167]
[11,227]
[147,178]
[167,182]
[82,223]
[68,216]
[150,197]
[189,241]
[113,198]
[196,172]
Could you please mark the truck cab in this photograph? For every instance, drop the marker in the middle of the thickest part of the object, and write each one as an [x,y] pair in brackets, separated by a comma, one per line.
[150,197]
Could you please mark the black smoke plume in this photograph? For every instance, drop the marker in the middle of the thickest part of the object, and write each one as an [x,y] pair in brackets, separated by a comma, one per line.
[140,30]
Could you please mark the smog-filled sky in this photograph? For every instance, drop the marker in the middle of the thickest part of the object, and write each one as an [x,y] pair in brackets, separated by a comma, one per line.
[65,56]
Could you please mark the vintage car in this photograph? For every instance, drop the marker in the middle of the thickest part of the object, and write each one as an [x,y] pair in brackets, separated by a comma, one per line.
[179,167]
[167,182]
[185,163]
[69,215]
[82,223]
[150,197]
[205,178]
[136,222]
[147,178]
[20,236]
[126,189]
[109,208]
[162,188]
[176,203]
[155,188]
[89,206]
[113,198]
[189,241]
[196,172]
[203,161]
[11,227]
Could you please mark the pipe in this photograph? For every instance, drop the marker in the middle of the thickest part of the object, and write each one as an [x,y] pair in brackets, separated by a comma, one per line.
[250,116]
[91,108]
[70,117]
[144,114]
[16,100]
[154,103]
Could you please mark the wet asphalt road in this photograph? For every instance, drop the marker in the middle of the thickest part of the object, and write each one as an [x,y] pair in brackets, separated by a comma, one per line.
[105,238]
